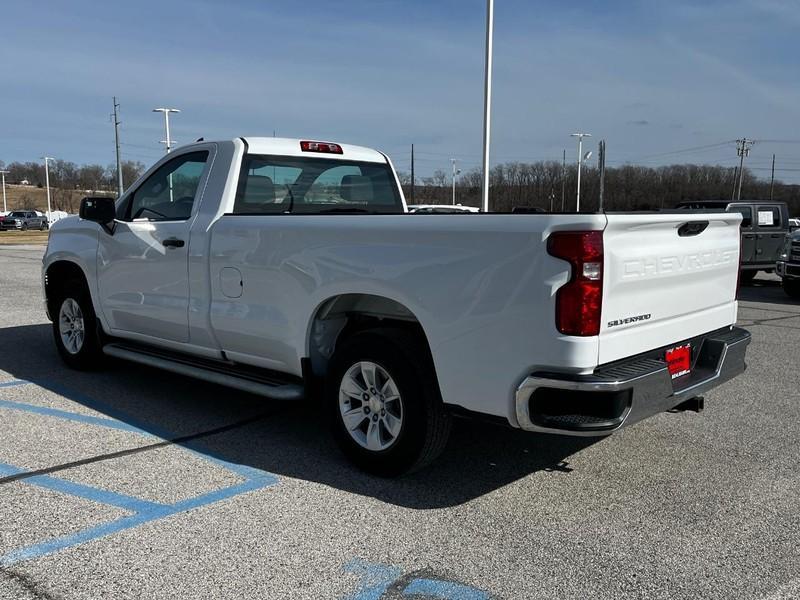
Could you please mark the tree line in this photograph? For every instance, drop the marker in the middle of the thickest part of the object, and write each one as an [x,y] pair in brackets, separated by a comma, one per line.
[628,187]
[67,175]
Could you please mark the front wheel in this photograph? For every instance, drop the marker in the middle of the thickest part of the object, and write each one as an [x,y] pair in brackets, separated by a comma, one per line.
[75,327]
[383,402]
[24,227]
[792,287]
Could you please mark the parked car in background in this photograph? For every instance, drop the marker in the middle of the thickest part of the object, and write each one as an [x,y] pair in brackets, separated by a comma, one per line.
[794,224]
[764,227]
[23,220]
[430,209]
[788,265]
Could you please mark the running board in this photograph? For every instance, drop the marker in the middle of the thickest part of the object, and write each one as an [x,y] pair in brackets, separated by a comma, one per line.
[268,384]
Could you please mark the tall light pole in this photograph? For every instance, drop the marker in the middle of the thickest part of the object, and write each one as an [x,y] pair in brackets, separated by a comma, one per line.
[167,142]
[580,137]
[487,103]
[3,175]
[46,160]
[455,172]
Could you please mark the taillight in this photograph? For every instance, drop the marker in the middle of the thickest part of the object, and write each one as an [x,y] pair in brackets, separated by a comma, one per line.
[324,147]
[580,300]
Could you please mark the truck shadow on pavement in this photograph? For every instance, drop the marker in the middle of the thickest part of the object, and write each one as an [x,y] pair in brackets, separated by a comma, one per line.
[286,439]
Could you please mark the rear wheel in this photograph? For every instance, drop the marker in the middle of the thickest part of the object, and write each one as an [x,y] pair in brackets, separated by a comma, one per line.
[747,277]
[42,226]
[383,402]
[75,326]
[792,287]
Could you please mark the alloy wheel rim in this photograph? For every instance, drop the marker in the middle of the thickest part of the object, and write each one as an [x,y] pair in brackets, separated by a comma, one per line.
[70,326]
[370,406]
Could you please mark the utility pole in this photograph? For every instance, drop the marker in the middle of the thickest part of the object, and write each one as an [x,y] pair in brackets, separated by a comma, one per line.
[742,149]
[166,111]
[563,176]
[487,103]
[455,172]
[116,138]
[733,189]
[580,137]
[412,175]
[772,179]
[3,175]
[601,159]
[46,160]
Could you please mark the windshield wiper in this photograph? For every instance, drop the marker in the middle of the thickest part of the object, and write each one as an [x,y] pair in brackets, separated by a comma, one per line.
[346,210]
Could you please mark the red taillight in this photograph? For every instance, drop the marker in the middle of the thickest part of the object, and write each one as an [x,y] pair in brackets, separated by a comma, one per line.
[324,147]
[580,300]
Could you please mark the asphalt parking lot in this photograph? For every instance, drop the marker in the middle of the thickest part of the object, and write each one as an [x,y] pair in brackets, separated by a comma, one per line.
[134,483]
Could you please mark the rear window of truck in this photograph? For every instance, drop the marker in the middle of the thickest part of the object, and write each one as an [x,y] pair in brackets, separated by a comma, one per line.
[300,185]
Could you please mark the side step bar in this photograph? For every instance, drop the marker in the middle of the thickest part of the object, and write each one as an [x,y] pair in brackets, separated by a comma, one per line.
[218,372]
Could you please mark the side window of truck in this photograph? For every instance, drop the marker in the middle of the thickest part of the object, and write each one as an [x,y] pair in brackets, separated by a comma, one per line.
[169,193]
[769,217]
[747,215]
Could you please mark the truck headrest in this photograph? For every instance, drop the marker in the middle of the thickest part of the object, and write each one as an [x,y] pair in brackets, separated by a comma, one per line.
[357,189]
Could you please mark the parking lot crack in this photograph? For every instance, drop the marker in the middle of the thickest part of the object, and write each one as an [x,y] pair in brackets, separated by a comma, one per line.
[139,449]
[36,589]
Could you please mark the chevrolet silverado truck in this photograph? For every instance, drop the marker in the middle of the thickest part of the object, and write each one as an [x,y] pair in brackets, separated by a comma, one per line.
[293,270]
[788,265]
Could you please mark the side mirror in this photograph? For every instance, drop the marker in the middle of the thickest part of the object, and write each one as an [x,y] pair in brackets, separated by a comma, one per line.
[99,210]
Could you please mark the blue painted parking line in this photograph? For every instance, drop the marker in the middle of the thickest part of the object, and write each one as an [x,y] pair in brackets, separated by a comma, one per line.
[13,383]
[143,511]
[71,416]
[375,579]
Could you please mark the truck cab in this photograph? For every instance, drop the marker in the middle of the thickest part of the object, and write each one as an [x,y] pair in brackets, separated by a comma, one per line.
[764,228]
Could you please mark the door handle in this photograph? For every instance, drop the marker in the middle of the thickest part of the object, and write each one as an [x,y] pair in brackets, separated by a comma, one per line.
[172,243]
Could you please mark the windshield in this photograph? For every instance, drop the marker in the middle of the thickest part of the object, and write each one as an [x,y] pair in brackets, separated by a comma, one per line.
[285,184]
[17,214]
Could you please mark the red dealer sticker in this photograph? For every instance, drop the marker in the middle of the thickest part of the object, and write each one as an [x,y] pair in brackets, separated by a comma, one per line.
[679,360]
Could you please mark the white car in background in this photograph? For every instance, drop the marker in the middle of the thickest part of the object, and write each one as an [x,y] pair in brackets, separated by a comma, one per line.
[429,209]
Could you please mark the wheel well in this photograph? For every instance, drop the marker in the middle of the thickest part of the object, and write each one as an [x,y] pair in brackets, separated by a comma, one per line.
[342,316]
[56,276]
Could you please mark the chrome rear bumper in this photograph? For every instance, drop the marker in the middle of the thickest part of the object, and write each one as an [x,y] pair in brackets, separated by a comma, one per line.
[626,392]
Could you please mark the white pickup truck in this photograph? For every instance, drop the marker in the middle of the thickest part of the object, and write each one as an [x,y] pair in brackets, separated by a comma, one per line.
[276,266]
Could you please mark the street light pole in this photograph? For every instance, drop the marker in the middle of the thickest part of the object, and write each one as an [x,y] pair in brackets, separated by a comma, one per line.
[167,142]
[487,103]
[580,137]
[3,175]
[46,160]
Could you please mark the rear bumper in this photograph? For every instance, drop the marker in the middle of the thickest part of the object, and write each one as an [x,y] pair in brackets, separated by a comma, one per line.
[627,391]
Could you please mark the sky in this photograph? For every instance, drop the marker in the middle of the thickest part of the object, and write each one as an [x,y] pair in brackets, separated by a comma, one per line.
[661,82]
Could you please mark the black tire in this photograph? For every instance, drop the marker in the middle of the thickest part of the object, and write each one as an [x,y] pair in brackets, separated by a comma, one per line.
[747,277]
[42,226]
[24,227]
[89,354]
[425,423]
[792,288]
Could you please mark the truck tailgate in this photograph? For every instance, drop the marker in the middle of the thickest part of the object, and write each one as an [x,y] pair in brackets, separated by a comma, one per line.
[667,277]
